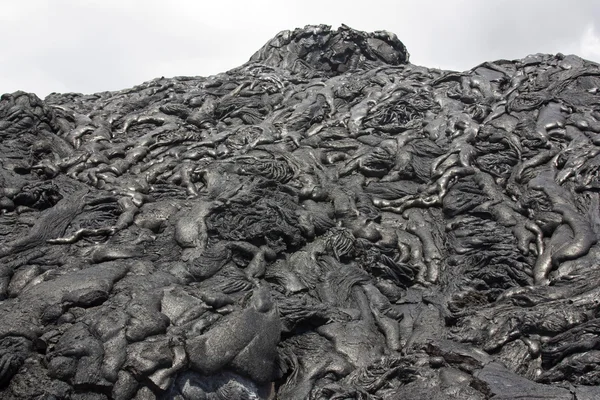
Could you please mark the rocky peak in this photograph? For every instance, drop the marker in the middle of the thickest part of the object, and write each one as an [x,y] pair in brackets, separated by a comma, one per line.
[319,48]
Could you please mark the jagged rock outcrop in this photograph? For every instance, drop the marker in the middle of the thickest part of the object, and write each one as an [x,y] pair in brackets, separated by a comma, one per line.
[327,221]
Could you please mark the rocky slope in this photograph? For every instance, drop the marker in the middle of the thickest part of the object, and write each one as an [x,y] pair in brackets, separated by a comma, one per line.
[327,221]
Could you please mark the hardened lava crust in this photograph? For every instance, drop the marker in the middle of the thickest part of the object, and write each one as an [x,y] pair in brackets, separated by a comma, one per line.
[326,221]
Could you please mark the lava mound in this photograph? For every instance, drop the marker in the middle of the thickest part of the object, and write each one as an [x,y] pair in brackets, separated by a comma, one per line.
[319,49]
[326,221]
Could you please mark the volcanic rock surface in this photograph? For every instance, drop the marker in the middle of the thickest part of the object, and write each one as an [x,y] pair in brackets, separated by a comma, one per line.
[327,221]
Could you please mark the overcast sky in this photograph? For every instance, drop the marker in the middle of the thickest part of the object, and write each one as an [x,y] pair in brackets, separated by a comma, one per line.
[95,45]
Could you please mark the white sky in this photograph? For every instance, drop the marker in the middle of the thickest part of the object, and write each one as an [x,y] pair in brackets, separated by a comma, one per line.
[95,45]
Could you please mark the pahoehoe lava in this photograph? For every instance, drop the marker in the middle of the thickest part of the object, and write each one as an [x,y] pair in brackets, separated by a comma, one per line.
[326,221]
